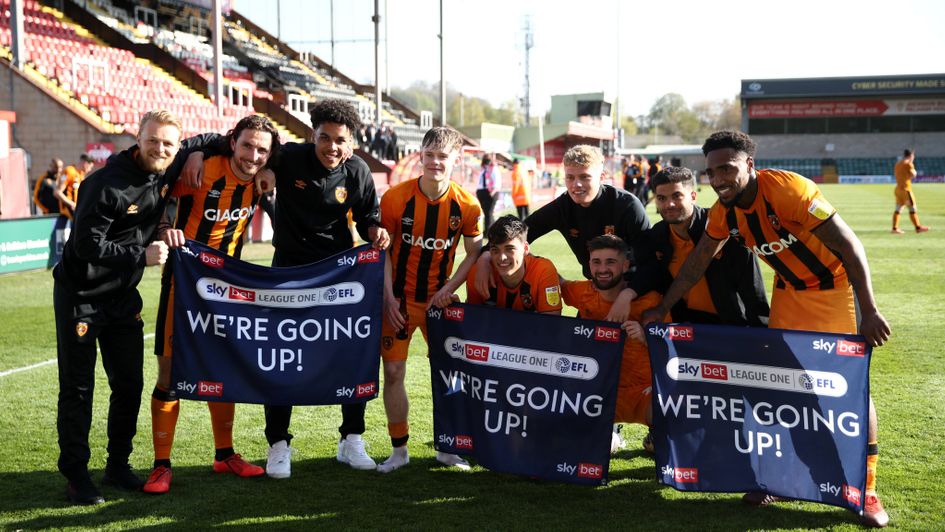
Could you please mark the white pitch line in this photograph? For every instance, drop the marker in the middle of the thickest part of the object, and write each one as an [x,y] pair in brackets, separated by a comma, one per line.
[46,362]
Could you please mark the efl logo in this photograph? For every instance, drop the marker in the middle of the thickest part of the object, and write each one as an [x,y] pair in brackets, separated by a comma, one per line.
[851,349]
[852,495]
[477,352]
[677,333]
[363,390]
[370,255]
[607,334]
[242,295]
[210,388]
[464,442]
[590,470]
[686,475]
[453,313]
[211,260]
[718,372]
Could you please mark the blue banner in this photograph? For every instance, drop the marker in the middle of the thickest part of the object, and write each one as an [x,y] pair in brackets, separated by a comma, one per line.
[539,404]
[306,335]
[749,409]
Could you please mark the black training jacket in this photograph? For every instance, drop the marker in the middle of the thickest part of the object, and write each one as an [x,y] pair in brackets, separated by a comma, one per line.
[116,215]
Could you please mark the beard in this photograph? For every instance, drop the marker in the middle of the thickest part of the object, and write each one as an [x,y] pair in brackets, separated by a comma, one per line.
[615,281]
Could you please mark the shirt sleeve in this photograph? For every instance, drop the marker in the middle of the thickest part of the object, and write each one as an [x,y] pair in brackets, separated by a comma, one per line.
[569,293]
[542,221]
[367,211]
[802,200]
[548,292]
[388,212]
[472,295]
[716,226]
[99,209]
[472,221]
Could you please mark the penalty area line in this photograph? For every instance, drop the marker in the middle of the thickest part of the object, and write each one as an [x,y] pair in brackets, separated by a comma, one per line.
[46,362]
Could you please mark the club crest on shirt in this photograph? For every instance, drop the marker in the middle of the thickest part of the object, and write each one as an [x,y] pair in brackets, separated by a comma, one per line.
[81,328]
[341,194]
[775,221]
[608,229]
[299,184]
[164,191]
[132,209]
[573,233]
[387,342]
[454,222]
[527,300]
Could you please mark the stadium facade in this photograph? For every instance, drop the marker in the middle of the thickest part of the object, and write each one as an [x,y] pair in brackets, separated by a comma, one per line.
[849,129]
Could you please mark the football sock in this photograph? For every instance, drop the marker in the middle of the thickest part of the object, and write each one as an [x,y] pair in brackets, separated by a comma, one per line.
[221,418]
[399,433]
[914,216]
[223,454]
[872,457]
[163,422]
[895,220]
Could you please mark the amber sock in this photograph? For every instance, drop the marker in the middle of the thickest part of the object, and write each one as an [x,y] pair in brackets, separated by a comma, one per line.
[914,216]
[872,457]
[399,433]
[221,418]
[164,414]
[895,221]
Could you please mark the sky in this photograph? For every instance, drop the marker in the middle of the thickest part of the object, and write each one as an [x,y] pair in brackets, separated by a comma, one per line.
[639,50]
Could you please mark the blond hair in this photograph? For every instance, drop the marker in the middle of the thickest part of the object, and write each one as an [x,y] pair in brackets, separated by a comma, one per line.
[442,138]
[162,117]
[584,156]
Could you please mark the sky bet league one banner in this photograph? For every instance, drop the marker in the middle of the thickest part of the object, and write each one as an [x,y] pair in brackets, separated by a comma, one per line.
[306,335]
[750,409]
[525,393]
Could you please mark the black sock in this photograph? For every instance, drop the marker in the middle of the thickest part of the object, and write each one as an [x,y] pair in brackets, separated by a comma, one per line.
[399,442]
[224,453]
[165,463]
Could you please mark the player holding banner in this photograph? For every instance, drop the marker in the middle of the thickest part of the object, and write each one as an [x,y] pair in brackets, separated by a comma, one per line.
[216,214]
[426,218]
[819,263]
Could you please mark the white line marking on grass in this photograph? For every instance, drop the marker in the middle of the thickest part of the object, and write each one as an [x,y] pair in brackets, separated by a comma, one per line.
[46,362]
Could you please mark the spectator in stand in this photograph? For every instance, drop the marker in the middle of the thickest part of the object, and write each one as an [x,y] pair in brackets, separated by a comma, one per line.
[379,145]
[392,151]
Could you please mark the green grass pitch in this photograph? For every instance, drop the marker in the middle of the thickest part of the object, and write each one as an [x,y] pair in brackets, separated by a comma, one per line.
[907,383]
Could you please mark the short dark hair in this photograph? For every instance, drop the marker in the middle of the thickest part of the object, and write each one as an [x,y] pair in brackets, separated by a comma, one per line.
[672,175]
[608,242]
[86,158]
[255,123]
[335,111]
[729,138]
[906,153]
[506,228]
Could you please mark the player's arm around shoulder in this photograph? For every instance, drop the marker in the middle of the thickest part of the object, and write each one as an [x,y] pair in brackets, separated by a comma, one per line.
[444,296]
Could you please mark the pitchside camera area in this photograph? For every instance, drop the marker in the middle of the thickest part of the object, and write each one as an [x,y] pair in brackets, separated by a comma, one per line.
[906,381]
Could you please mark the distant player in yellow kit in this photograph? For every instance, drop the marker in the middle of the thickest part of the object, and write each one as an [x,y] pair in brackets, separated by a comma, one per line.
[904,172]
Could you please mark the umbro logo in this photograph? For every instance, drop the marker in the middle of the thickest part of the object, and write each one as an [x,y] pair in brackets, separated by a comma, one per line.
[733,232]
[213,194]
[406,221]
[299,184]
[132,209]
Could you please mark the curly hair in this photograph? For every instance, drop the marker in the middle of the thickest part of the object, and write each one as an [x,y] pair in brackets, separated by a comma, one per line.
[336,111]
[728,138]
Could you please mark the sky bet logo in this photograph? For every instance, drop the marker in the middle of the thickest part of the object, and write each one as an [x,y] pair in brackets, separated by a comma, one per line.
[850,494]
[214,389]
[681,475]
[583,470]
[370,255]
[460,441]
[242,295]
[717,372]
[844,347]
[601,334]
[366,389]
[211,260]
[675,333]
[477,352]
[454,313]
